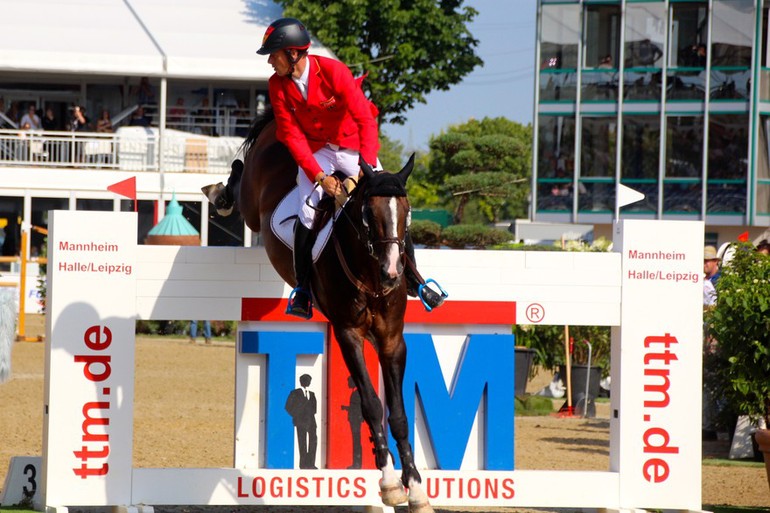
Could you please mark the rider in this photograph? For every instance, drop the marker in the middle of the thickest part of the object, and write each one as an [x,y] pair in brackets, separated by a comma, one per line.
[326,122]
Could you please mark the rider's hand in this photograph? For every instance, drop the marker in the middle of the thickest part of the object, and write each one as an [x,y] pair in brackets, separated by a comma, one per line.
[331,185]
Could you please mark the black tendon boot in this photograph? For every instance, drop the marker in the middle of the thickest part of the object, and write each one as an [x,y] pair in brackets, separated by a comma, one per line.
[415,284]
[223,196]
[227,199]
[300,300]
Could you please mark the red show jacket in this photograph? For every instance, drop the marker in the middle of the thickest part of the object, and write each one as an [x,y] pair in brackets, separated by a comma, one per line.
[336,112]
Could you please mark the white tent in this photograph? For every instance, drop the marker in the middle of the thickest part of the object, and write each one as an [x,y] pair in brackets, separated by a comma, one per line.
[180,39]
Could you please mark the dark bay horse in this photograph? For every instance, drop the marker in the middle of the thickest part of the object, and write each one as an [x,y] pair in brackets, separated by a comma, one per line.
[358,283]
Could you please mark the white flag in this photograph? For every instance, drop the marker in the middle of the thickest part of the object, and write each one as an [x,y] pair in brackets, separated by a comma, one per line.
[627,195]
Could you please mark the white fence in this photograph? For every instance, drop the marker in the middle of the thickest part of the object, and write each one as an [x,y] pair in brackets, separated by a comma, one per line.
[128,149]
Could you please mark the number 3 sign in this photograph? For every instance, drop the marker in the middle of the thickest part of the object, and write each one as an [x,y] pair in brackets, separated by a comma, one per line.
[21,482]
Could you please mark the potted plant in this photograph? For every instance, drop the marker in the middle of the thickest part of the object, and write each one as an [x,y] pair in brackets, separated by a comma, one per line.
[547,344]
[738,336]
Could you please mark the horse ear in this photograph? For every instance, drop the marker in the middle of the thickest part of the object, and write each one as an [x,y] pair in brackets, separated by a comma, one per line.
[403,175]
[365,167]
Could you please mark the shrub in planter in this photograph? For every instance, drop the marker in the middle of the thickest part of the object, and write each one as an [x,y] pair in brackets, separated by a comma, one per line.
[738,326]
[474,235]
[427,233]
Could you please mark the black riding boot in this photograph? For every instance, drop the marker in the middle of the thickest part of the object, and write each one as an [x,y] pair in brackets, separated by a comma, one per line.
[301,300]
[413,281]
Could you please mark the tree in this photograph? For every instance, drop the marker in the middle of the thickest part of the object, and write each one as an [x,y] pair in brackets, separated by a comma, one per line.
[484,164]
[409,48]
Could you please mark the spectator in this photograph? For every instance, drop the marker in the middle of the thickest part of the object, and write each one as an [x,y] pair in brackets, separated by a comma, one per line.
[242,120]
[711,265]
[104,123]
[763,247]
[206,331]
[13,112]
[49,121]
[709,293]
[79,120]
[203,118]
[177,114]
[145,93]
[139,118]
[606,62]
[30,120]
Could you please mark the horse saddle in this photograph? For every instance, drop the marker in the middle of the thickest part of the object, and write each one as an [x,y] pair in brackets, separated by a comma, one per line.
[284,217]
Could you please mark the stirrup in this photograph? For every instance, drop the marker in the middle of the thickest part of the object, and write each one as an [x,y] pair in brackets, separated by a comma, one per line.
[442,296]
[295,308]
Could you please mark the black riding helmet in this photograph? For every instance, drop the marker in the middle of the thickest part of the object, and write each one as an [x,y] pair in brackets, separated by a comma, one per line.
[284,34]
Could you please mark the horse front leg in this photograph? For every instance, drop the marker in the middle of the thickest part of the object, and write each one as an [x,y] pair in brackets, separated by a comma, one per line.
[351,345]
[393,363]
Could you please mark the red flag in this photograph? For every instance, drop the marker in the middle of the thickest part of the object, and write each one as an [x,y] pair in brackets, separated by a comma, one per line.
[744,237]
[125,188]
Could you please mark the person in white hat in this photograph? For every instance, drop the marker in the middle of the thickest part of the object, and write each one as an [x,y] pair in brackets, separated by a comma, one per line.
[711,264]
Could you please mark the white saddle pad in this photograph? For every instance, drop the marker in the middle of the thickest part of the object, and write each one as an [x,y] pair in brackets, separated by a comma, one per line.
[284,217]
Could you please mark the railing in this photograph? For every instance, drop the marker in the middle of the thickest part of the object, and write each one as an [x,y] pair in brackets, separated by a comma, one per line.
[128,149]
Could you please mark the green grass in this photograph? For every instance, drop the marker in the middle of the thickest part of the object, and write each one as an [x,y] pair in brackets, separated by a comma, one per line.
[721,462]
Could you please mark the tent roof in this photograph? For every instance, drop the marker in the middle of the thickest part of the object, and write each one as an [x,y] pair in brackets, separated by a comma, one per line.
[192,39]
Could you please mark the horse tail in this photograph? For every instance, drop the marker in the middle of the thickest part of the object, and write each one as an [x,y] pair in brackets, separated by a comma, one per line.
[259,124]
[7,331]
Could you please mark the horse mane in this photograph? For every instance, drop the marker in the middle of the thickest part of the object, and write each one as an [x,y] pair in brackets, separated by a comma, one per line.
[257,125]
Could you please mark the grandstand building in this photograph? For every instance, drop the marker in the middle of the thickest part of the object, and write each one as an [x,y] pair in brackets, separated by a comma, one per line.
[667,97]
[180,80]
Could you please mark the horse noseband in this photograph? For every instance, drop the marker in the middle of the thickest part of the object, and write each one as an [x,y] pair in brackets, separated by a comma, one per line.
[390,240]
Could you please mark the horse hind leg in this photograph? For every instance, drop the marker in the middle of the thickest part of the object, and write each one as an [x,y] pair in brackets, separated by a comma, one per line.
[223,196]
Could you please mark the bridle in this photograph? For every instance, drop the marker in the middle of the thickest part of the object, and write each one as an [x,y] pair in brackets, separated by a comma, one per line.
[366,239]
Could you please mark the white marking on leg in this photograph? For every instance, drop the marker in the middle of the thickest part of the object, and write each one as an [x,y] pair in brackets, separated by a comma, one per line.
[389,475]
[416,493]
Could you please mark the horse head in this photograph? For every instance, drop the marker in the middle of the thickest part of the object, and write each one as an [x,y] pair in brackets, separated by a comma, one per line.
[386,214]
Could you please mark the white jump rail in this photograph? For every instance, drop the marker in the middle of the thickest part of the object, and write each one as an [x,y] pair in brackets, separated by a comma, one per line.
[100,281]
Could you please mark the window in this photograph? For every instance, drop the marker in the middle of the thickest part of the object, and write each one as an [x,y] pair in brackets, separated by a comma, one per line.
[602,36]
[684,146]
[556,147]
[645,35]
[689,34]
[598,146]
[732,32]
[763,167]
[641,147]
[683,186]
[559,36]
[728,153]
[558,52]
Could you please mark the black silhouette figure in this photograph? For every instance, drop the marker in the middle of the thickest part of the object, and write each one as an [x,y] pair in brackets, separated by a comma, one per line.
[302,406]
[355,419]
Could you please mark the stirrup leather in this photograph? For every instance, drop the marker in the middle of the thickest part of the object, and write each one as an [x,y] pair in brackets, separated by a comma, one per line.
[441,295]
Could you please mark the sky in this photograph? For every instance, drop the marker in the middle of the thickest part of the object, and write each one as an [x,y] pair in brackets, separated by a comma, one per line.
[503,86]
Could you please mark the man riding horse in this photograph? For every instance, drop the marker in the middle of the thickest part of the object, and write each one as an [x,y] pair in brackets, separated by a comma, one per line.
[327,124]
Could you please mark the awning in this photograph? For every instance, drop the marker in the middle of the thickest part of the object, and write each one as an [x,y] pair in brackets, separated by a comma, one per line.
[192,39]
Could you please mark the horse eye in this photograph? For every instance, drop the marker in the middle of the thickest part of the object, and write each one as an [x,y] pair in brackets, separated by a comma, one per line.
[365,216]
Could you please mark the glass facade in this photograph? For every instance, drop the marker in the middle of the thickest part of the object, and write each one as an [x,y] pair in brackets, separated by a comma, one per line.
[657,95]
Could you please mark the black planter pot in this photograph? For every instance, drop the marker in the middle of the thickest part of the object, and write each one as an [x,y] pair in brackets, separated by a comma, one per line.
[585,406]
[523,364]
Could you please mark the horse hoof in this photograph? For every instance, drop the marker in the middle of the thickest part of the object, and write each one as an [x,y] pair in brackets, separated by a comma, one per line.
[393,495]
[420,507]
[215,194]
